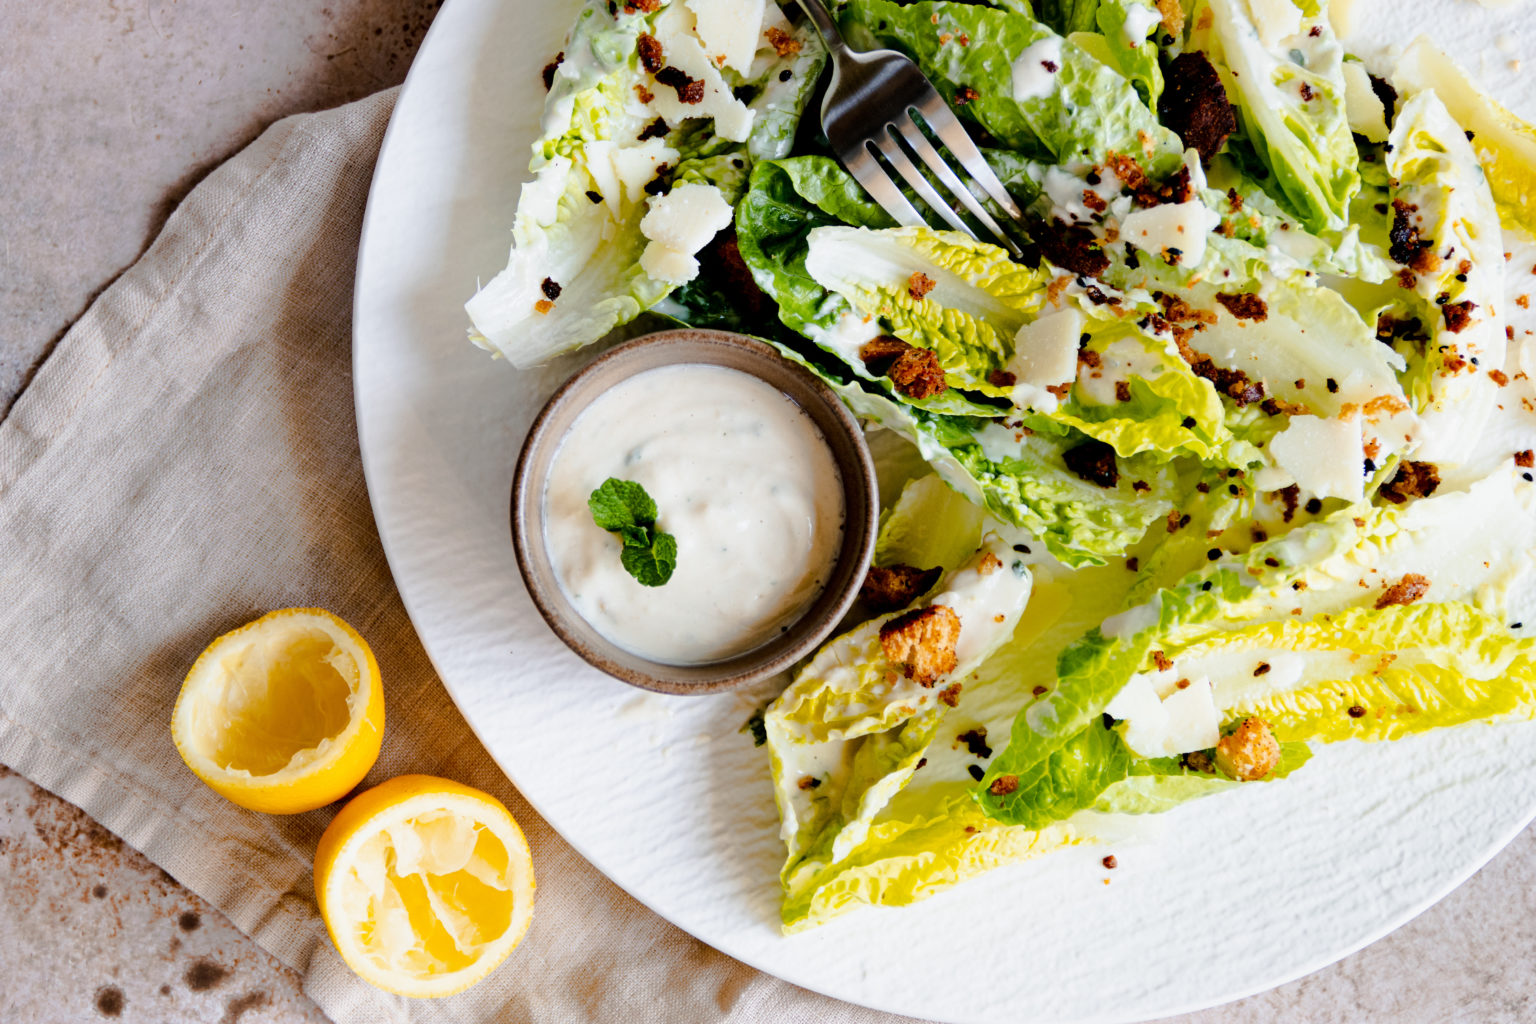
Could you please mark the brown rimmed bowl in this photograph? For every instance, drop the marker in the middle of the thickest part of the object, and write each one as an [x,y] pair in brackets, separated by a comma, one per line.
[716,348]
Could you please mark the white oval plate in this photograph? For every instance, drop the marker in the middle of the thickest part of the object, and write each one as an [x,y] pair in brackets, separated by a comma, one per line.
[1236,894]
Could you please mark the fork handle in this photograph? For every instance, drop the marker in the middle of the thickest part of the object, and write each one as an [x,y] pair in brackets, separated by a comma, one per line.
[817,12]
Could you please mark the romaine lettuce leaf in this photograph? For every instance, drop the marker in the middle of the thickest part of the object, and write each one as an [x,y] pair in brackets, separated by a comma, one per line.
[1505,145]
[979,298]
[1287,75]
[577,224]
[785,201]
[1369,673]
[1475,549]
[929,833]
[1446,227]
[846,734]
[930,524]
[1163,406]
[1161,784]
[1122,34]
[1082,111]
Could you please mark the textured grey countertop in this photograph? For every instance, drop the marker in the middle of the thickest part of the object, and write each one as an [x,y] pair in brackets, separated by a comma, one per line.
[113,111]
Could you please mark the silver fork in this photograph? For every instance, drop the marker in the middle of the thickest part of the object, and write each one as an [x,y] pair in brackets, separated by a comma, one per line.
[868,111]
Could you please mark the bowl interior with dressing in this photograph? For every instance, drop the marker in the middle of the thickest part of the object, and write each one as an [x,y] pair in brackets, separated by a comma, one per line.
[844,438]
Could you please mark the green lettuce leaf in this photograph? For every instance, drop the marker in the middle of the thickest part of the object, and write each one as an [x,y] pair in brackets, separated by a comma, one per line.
[929,833]
[1126,41]
[1368,673]
[980,297]
[848,732]
[1023,479]
[1288,81]
[591,147]
[1089,110]
[1169,409]
[930,524]
[1476,549]
[1447,201]
[1154,785]
[785,201]
[1505,145]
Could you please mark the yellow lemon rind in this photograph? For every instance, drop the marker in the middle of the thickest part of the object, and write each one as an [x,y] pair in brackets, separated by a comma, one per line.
[402,797]
[352,753]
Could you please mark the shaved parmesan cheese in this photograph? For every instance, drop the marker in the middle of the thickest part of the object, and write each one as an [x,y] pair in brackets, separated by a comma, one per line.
[605,180]
[1045,350]
[1324,456]
[663,264]
[1275,19]
[1034,70]
[674,30]
[1367,116]
[1185,720]
[1175,231]
[1341,15]
[729,29]
[687,217]
[679,224]
[1271,478]
[636,166]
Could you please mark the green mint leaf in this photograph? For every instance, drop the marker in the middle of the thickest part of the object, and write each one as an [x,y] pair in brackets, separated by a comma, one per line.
[652,564]
[636,536]
[623,507]
[621,503]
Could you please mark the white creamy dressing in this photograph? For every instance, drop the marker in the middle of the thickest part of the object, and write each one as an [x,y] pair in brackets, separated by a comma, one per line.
[988,595]
[1121,360]
[1138,24]
[741,477]
[1034,70]
[847,335]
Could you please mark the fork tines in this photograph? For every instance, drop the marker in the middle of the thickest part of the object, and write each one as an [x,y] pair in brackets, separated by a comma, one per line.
[903,138]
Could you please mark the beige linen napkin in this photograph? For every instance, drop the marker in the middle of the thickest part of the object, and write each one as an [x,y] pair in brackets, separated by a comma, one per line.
[187,460]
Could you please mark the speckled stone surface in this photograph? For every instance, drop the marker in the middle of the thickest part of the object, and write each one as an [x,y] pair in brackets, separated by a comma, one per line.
[114,111]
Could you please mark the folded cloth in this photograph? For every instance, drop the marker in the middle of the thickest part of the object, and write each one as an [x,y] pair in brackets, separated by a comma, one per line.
[186,460]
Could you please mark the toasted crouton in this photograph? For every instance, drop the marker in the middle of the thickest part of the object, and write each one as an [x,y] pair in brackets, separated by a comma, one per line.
[922,643]
[1405,591]
[889,587]
[916,372]
[1250,752]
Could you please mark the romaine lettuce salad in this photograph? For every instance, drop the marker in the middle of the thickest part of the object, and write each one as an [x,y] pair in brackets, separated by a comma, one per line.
[1237,459]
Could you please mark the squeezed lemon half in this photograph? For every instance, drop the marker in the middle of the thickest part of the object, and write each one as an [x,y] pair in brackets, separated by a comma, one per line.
[425,885]
[284,714]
